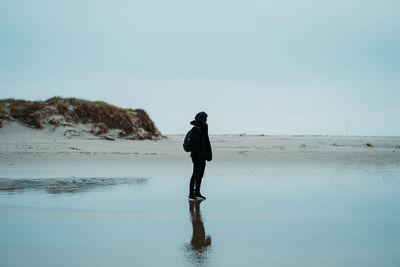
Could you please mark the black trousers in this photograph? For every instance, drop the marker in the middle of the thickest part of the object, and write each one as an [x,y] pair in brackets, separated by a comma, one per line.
[198,172]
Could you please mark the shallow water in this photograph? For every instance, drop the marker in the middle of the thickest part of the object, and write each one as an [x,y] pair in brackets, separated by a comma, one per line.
[255,217]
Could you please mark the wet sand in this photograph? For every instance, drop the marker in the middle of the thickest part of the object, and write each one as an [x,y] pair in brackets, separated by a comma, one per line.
[270,202]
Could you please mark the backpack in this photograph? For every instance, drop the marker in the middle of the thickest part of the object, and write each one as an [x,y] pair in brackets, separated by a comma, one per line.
[187,145]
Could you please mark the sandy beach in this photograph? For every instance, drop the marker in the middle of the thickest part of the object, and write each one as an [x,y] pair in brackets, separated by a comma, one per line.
[296,102]
[271,201]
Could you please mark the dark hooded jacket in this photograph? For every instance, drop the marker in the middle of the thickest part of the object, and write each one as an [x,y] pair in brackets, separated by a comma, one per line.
[200,142]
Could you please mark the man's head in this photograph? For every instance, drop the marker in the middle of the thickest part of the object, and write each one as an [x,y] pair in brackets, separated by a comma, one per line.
[201,117]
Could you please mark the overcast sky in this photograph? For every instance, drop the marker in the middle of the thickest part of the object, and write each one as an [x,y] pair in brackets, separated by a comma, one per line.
[255,66]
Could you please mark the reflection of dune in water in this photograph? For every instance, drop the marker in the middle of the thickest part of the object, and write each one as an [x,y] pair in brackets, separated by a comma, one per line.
[66,185]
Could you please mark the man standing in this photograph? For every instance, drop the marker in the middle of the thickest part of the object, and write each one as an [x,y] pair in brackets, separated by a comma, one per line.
[201,151]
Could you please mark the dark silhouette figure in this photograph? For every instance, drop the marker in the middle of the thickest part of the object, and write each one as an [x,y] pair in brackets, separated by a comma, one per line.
[200,243]
[201,151]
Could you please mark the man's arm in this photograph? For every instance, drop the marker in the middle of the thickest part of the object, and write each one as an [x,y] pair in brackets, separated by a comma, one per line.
[195,139]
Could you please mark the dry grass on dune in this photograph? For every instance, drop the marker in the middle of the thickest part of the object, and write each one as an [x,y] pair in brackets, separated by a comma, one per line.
[27,112]
[132,123]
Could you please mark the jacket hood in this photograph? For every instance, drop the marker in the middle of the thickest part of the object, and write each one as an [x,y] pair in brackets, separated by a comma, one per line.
[200,119]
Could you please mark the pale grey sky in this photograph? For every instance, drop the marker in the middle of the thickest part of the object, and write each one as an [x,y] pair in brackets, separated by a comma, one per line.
[272,67]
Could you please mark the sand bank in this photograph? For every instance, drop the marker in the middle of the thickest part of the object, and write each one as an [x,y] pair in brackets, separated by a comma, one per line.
[45,153]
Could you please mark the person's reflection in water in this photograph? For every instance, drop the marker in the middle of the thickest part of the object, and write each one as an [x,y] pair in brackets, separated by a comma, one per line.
[198,250]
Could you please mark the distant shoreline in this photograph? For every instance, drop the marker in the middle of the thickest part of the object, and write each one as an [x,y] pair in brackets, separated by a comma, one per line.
[293,135]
